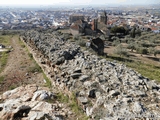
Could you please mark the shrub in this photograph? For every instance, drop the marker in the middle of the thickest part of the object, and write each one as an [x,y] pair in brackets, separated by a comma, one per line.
[3,60]
[30,55]
[156,52]
[147,44]
[142,50]
[82,43]
[62,98]
[116,42]
[48,82]
[151,50]
[117,29]
[76,37]
[1,79]
[65,36]
[121,51]
[131,46]
[35,68]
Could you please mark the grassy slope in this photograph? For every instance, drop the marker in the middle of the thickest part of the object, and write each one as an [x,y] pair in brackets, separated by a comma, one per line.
[148,70]
[5,40]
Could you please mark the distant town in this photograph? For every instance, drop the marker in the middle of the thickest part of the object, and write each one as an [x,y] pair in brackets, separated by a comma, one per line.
[146,18]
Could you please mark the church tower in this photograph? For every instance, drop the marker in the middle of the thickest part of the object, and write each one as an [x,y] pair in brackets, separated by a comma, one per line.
[103,17]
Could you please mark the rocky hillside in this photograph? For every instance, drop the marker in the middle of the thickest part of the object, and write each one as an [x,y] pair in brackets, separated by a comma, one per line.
[105,90]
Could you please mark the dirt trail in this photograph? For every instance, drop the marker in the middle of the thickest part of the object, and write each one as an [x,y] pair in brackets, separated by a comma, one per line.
[17,68]
[15,57]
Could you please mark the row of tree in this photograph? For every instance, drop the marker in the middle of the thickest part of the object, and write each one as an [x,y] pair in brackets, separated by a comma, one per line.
[125,31]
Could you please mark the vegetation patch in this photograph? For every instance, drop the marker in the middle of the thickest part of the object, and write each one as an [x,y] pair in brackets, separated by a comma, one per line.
[48,82]
[76,108]
[148,70]
[5,40]
[3,60]
[1,79]
[35,68]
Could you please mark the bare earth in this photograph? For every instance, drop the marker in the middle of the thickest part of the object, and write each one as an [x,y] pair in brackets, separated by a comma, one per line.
[18,64]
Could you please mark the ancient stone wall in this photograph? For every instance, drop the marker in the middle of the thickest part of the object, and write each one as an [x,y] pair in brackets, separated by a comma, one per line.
[106,90]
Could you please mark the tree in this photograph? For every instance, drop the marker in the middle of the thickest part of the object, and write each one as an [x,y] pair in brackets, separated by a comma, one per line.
[156,52]
[132,33]
[117,29]
[135,32]
[142,50]
[120,50]
[131,46]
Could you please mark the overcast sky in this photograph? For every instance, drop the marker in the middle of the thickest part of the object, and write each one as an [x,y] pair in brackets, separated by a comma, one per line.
[75,2]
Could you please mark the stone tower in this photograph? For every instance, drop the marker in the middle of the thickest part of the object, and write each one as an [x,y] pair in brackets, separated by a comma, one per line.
[95,24]
[103,17]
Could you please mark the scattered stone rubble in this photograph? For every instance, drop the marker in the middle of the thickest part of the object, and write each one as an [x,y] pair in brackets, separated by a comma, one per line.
[105,90]
[30,103]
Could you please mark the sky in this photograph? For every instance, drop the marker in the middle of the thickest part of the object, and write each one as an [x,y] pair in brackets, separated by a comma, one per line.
[75,2]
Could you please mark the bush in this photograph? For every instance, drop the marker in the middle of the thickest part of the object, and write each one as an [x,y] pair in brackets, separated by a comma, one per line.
[48,82]
[1,79]
[116,42]
[121,51]
[3,60]
[151,50]
[82,43]
[147,44]
[65,36]
[132,46]
[142,50]
[117,29]
[30,55]
[156,52]
[35,68]
[76,37]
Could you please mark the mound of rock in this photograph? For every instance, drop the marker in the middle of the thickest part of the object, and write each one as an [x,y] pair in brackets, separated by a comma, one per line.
[29,103]
[106,90]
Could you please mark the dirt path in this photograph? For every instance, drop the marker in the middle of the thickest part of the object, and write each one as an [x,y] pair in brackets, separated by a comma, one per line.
[18,68]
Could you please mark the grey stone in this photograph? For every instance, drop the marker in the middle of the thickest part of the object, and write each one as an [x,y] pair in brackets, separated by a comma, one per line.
[83,78]
[137,108]
[83,100]
[114,93]
[76,75]
[92,93]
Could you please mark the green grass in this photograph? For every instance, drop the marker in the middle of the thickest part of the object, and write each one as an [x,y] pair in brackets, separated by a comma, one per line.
[150,71]
[147,70]
[5,39]
[1,79]
[35,68]
[71,102]
[62,98]
[12,87]
[30,56]
[76,108]
[21,43]
[3,60]
[48,82]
